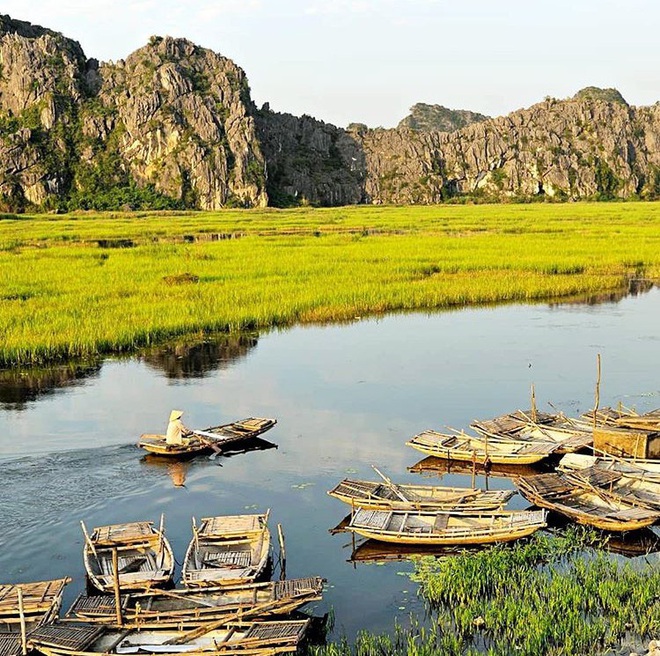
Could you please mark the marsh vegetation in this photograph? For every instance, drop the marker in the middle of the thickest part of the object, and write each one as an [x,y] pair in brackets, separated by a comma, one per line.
[79,285]
[560,595]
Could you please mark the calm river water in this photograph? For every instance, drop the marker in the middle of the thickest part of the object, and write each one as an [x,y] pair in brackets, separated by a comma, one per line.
[345,396]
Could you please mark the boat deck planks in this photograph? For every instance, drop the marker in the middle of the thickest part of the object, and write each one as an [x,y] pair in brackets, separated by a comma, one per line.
[123,533]
[230,525]
[67,636]
[10,644]
[37,597]
[298,587]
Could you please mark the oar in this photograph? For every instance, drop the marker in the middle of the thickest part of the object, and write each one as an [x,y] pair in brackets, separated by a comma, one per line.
[210,440]
[393,487]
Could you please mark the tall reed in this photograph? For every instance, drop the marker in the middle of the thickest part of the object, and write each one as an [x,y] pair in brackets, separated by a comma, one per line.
[85,285]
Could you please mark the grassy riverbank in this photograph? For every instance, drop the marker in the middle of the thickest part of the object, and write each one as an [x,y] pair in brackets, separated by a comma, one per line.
[78,285]
[560,596]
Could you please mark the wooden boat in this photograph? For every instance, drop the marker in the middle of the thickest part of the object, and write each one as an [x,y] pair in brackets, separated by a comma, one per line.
[25,607]
[190,608]
[248,639]
[473,448]
[227,550]
[639,487]
[624,417]
[209,439]
[564,494]
[445,528]
[645,469]
[569,434]
[383,496]
[39,604]
[144,557]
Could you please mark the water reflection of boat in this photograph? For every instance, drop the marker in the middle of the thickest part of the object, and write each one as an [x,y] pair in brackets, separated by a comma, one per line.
[631,544]
[216,438]
[135,553]
[375,551]
[446,528]
[227,550]
[634,543]
[187,608]
[432,466]
[479,449]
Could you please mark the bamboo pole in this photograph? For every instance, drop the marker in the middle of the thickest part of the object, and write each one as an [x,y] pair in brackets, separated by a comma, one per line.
[534,413]
[21,615]
[187,636]
[115,582]
[597,395]
[393,487]
[88,540]
[280,535]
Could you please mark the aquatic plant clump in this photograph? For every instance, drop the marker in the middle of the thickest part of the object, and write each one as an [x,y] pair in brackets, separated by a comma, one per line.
[550,595]
[547,596]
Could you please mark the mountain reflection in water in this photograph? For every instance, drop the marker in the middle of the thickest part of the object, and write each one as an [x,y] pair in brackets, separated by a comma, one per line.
[177,360]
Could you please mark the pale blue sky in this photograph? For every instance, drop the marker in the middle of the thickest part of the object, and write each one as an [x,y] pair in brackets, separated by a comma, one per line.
[370,60]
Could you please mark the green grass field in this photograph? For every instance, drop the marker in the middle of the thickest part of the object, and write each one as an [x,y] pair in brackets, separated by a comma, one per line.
[66,292]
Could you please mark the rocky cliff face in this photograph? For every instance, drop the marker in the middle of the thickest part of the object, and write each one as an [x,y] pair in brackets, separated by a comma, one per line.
[41,81]
[310,161]
[180,118]
[173,119]
[566,149]
[174,126]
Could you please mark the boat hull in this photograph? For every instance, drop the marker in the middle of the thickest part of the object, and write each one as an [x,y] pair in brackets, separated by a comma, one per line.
[480,457]
[446,529]
[209,439]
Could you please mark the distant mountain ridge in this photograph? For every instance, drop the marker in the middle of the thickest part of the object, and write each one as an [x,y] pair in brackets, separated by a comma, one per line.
[436,118]
[174,126]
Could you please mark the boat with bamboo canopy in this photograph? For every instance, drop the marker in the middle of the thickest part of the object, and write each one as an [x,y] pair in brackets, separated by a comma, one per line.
[190,608]
[215,438]
[32,603]
[445,528]
[131,556]
[585,503]
[386,495]
[642,468]
[480,449]
[569,434]
[227,550]
[245,638]
[636,485]
[25,607]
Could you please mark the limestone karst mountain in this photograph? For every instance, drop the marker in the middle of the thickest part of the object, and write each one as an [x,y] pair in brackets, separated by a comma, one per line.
[436,118]
[173,125]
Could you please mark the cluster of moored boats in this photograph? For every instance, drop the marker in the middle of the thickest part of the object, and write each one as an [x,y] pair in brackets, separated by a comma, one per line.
[590,486]
[222,605]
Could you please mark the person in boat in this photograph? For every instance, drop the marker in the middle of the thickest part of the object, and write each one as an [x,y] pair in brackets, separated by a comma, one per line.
[177,433]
